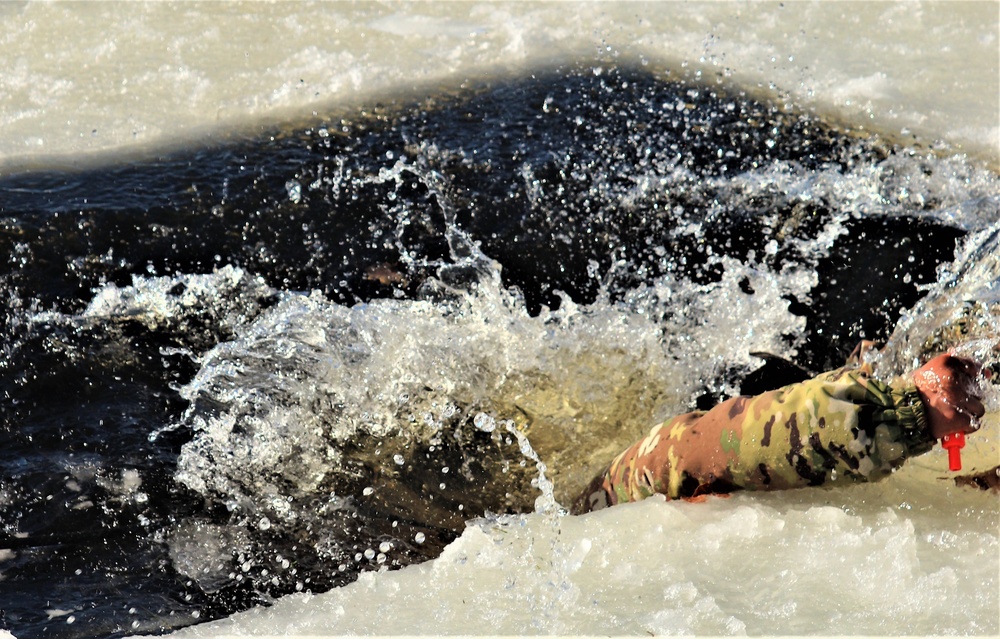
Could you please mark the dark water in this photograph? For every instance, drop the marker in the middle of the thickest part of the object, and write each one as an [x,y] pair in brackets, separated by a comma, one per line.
[555,175]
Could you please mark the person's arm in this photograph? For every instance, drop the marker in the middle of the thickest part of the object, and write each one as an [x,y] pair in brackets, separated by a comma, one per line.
[841,426]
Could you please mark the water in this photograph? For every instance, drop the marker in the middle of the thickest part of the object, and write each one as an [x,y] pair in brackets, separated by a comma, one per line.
[369,348]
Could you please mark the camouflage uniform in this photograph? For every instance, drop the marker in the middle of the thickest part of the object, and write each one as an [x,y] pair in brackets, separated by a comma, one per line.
[840,427]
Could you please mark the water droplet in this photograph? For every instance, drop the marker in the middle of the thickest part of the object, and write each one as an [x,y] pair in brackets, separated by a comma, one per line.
[385,546]
[369,554]
[484,422]
[419,538]
[367,491]
[294,190]
[264,523]
[398,459]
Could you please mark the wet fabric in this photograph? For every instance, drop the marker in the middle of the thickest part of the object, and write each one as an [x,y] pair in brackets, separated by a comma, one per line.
[840,427]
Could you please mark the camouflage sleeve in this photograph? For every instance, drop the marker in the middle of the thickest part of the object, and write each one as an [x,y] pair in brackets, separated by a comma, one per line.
[840,427]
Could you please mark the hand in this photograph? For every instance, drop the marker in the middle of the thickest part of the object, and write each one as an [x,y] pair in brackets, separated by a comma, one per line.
[948,390]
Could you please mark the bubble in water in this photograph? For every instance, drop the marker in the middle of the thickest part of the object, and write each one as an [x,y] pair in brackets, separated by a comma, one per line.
[385,546]
[369,553]
[398,459]
[419,538]
[367,491]
[264,523]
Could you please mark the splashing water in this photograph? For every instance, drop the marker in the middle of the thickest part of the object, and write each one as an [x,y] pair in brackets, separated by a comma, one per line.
[430,337]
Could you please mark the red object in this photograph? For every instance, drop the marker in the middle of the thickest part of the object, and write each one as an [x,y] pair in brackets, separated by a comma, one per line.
[953,444]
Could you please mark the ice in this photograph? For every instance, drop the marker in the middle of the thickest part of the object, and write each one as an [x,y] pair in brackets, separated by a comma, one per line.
[401,24]
[794,563]
[924,67]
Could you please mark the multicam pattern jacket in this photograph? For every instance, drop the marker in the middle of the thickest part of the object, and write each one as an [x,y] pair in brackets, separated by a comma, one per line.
[840,427]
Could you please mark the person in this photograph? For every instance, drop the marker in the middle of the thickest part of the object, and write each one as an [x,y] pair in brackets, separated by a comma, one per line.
[840,427]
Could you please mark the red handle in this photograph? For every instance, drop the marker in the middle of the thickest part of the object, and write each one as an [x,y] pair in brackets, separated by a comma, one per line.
[953,444]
